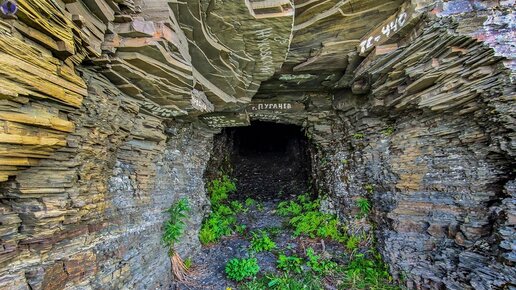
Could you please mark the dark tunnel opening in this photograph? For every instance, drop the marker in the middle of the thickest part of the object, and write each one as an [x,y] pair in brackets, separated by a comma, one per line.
[268,160]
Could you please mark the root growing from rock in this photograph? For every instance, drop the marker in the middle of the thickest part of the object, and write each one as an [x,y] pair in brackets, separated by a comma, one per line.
[179,268]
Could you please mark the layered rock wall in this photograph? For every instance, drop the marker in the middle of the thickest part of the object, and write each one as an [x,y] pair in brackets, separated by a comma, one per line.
[91,215]
[432,147]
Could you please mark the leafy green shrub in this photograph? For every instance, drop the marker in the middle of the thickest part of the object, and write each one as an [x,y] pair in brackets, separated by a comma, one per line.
[352,243]
[317,224]
[249,202]
[216,226]
[173,229]
[219,189]
[262,242]
[367,273]
[306,219]
[364,205]
[237,206]
[240,229]
[289,263]
[222,219]
[223,210]
[174,226]
[240,269]
[285,282]
[288,208]
[319,265]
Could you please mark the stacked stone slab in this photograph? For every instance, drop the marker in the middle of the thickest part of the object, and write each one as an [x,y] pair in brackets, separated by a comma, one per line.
[425,144]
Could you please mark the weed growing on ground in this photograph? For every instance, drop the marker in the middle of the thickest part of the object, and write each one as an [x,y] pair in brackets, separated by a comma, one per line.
[249,202]
[261,242]
[216,226]
[240,229]
[358,136]
[364,272]
[361,273]
[219,189]
[240,269]
[285,282]
[364,205]
[238,207]
[318,265]
[306,219]
[353,242]
[222,219]
[295,274]
[290,263]
[288,208]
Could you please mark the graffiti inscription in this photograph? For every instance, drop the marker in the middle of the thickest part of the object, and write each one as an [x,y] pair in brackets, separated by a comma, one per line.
[220,120]
[387,30]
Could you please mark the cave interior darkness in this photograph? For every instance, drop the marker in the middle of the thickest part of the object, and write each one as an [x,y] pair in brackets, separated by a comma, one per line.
[269,160]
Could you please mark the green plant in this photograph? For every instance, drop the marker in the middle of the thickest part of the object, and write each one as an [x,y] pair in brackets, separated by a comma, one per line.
[188,263]
[174,226]
[369,188]
[173,229]
[262,242]
[222,219]
[216,226]
[367,273]
[364,205]
[388,131]
[286,281]
[240,269]
[237,206]
[288,208]
[240,229]
[353,242]
[220,188]
[317,224]
[249,202]
[260,207]
[318,265]
[306,219]
[289,263]
[358,136]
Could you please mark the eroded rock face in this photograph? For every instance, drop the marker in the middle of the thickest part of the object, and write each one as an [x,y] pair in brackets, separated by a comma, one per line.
[99,221]
[409,103]
[425,147]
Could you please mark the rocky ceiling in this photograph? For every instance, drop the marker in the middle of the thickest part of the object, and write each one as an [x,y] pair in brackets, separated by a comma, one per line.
[228,62]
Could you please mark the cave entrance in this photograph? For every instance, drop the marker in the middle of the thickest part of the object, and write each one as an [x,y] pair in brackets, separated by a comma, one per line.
[269,160]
